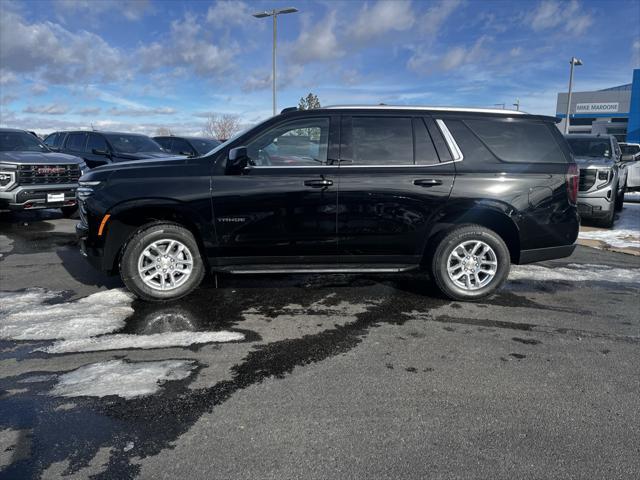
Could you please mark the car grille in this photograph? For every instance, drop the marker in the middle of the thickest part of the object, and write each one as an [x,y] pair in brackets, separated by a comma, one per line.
[587,179]
[47,174]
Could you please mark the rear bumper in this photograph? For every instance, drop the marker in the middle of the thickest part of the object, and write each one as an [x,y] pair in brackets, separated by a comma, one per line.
[541,254]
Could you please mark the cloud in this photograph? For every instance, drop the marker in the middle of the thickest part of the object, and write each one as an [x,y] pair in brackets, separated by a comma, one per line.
[140,112]
[89,111]
[569,16]
[51,109]
[383,17]
[187,46]
[7,77]
[7,99]
[55,54]
[38,89]
[224,13]
[435,16]
[316,43]
[423,61]
[130,9]
[635,53]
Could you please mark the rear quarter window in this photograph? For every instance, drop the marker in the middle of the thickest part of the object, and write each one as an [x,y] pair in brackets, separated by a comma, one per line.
[518,141]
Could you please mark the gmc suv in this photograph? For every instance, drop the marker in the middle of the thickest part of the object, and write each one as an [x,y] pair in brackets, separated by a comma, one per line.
[462,193]
[32,176]
[603,176]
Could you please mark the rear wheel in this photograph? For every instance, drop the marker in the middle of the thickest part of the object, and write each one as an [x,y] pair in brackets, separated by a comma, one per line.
[161,262]
[470,263]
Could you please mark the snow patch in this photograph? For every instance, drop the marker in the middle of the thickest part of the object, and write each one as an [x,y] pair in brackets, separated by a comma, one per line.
[125,379]
[29,318]
[574,272]
[625,232]
[156,340]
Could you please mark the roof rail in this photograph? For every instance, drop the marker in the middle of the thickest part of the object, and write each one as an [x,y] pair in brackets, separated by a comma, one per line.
[425,107]
[288,110]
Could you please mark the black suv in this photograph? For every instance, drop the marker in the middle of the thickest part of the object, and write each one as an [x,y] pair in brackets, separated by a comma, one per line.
[189,146]
[101,148]
[462,193]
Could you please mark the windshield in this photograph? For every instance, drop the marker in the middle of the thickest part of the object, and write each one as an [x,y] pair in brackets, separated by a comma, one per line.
[20,142]
[203,146]
[133,144]
[630,149]
[589,147]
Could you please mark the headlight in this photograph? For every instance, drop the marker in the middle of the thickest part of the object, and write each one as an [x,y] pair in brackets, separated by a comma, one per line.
[85,189]
[83,168]
[603,174]
[7,179]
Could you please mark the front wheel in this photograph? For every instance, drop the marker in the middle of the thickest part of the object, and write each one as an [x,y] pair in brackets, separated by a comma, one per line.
[161,262]
[470,262]
[620,201]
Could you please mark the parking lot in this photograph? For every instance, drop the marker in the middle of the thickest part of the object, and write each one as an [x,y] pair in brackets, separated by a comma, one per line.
[314,376]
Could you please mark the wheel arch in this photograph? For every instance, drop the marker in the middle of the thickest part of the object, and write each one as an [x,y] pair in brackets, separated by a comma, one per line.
[492,217]
[127,218]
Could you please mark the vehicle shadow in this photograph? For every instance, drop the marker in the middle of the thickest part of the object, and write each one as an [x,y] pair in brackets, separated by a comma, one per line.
[78,267]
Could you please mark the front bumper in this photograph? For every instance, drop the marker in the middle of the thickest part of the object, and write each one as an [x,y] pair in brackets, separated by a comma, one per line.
[93,255]
[36,196]
[594,207]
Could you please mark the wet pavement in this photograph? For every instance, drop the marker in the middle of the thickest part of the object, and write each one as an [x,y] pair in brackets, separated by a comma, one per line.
[341,376]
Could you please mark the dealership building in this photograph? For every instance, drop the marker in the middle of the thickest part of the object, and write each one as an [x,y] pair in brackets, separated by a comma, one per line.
[614,111]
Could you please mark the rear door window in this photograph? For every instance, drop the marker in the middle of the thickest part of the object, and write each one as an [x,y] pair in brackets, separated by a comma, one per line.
[75,142]
[518,141]
[382,141]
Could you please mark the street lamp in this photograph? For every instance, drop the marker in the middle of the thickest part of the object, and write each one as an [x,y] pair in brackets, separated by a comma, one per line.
[574,62]
[274,13]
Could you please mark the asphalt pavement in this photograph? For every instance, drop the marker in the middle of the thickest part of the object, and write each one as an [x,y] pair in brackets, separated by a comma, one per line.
[314,377]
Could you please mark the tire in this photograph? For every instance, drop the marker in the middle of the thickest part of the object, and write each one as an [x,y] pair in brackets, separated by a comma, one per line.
[607,222]
[467,237]
[620,201]
[70,212]
[171,247]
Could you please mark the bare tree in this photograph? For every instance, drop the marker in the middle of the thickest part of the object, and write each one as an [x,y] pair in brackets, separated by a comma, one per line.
[221,127]
[162,132]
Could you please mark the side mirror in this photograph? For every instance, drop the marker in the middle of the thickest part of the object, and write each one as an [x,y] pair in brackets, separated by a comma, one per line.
[97,151]
[238,160]
[627,158]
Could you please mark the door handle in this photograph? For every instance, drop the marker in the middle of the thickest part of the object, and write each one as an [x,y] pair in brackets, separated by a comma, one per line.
[427,182]
[318,183]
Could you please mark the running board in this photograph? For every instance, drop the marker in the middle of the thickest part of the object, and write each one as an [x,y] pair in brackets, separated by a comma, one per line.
[271,269]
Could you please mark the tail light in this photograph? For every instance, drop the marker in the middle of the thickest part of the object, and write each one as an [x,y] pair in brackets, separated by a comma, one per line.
[573,175]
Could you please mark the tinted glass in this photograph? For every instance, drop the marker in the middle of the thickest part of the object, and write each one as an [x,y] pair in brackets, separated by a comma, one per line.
[301,142]
[382,141]
[425,151]
[96,142]
[75,142]
[518,141]
[204,146]
[590,147]
[472,148]
[51,139]
[180,146]
[20,142]
[165,142]
[133,143]
[630,149]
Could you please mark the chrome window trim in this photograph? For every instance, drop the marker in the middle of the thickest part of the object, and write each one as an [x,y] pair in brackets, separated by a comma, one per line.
[456,153]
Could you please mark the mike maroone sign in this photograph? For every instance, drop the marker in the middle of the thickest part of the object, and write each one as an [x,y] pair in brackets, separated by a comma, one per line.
[597,107]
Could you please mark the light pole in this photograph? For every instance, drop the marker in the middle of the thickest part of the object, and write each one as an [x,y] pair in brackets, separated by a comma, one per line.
[274,13]
[574,62]
[517,104]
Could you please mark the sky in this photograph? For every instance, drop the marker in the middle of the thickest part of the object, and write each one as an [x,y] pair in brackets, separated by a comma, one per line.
[139,65]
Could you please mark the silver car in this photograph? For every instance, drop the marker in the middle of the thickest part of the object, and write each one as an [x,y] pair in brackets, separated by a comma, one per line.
[603,177]
[631,156]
